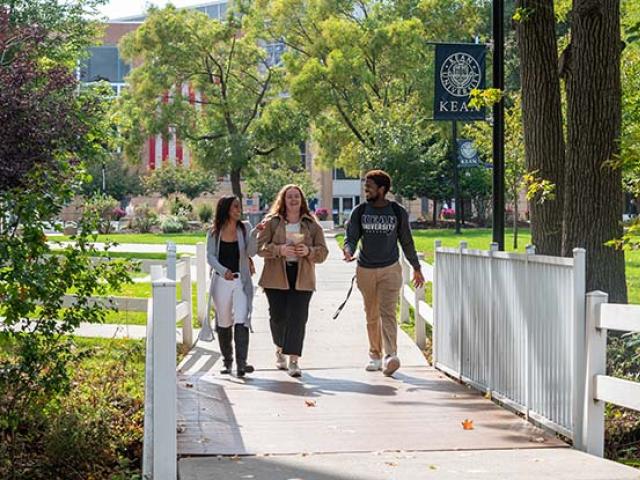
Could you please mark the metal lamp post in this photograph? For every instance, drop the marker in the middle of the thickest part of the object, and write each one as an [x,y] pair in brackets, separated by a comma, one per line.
[498,124]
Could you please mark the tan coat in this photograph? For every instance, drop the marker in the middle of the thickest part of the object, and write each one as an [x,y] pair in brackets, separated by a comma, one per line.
[274,273]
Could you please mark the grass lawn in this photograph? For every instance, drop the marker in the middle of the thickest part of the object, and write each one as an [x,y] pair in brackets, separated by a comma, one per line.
[135,255]
[189,238]
[143,290]
[480,239]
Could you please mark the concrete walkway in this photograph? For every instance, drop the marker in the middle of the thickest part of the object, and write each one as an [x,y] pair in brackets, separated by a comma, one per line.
[340,422]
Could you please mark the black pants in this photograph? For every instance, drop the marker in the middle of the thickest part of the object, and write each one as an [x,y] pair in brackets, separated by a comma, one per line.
[288,314]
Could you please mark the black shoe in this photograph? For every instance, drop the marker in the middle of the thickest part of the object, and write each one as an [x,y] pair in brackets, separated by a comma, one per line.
[226,370]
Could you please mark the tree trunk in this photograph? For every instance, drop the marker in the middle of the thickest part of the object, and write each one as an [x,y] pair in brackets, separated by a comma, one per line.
[542,117]
[435,212]
[593,199]
[235,183]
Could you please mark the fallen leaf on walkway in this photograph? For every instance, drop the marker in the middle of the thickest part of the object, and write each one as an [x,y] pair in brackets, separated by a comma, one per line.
[310,403]
[537,439]
[235,458]
[487,395]
[181,428]
[433,467]
[391,464]
[188,385]
[467,424]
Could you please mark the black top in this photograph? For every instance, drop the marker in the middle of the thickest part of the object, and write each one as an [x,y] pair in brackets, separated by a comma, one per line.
[229,255]
[379,229]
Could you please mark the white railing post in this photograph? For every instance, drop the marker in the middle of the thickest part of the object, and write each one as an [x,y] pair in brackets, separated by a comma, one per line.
[147,442]
[596,363]
[156,272]
[494,247]
[463,246]
[578,367]
[420,323]
[529,250]
[164,441]
[201,281]
[171,261]
[434,303]
[404,305]
[185,283]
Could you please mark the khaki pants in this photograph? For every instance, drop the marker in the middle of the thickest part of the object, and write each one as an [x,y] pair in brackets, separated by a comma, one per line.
[380,289]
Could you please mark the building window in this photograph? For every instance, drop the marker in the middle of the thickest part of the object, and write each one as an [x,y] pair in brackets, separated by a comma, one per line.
[339,174]
[104,63]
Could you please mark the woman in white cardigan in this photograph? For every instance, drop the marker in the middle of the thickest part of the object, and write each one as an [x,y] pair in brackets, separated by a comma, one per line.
[230,245]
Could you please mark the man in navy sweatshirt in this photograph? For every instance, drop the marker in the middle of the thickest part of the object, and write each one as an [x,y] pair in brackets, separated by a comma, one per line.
[379,224]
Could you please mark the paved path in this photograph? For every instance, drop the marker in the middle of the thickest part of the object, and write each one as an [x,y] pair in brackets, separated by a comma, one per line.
[340,422]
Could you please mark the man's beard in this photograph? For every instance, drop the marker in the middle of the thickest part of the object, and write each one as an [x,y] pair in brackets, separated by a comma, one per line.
[372,198]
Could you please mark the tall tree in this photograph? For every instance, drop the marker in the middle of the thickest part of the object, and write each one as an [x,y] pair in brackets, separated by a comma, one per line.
[593,186]
[47,129]
[542,116]
[240,112]
[364,71]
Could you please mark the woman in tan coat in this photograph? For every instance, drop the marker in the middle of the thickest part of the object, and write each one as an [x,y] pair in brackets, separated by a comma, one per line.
[291,242]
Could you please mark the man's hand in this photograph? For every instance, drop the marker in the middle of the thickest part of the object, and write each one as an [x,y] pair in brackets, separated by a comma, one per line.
[228,275]
[347,255]
[287,251]
[418,278]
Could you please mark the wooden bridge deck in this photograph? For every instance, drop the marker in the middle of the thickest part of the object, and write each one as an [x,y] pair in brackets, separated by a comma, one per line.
[337,407]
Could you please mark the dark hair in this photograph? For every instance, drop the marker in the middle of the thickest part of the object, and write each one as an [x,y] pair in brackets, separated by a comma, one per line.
[380,178]
[279,207]
[222,213]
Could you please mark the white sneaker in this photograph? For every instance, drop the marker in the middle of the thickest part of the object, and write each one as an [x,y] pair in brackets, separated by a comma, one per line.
[294,369]
[391,364]
[374,365]
[281,361]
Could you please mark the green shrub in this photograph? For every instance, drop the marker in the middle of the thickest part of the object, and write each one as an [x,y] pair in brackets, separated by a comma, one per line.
[144,218]
[189,181]
[104,208]
[205,213]
[93,431]
[622,426]
[179,205]
[173,224]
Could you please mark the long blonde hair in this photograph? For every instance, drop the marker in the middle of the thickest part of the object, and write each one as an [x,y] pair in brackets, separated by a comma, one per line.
[279,207]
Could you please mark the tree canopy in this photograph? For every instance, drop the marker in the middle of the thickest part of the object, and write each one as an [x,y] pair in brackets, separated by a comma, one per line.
[210,83]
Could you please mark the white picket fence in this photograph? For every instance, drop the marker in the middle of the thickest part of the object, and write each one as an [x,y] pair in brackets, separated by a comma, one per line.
[164,311]
[600,388]
[522,328]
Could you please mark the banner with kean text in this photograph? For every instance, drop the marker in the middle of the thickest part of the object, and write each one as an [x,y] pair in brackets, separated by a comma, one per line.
[460,68]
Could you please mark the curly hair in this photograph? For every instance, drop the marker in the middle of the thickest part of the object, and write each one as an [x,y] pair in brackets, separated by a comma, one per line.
[380,178]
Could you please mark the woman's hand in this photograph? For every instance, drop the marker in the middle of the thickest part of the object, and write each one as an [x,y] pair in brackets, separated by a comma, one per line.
[287,251]
[302,250]
[262,225]
[228,275]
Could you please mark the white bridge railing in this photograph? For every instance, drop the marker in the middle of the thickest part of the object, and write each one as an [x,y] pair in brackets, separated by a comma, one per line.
[600,388]
[164,311]
[522,328]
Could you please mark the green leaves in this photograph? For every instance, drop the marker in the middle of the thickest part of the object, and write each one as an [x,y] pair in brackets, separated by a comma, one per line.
[239,96]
